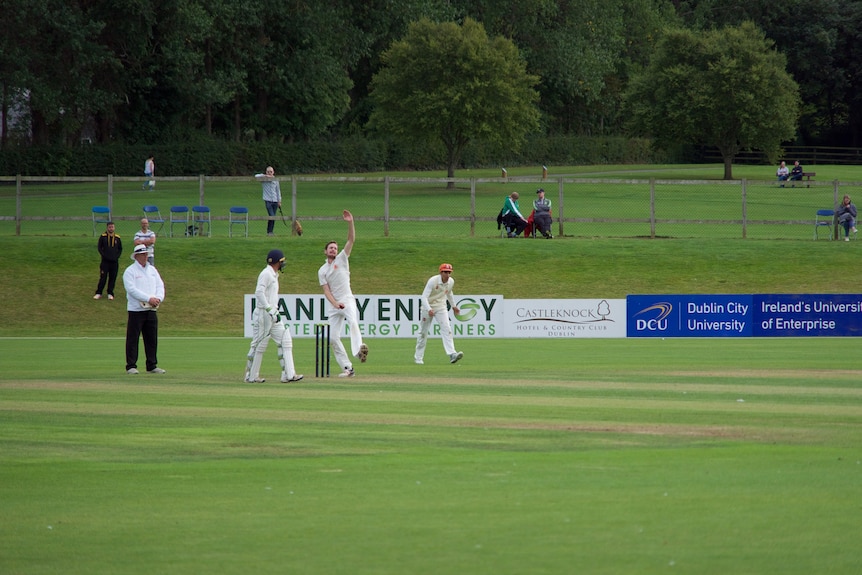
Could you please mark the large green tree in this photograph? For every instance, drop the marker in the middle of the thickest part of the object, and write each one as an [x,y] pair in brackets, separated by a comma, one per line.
[51,57]
[454,84]
[581,51]
[728,88]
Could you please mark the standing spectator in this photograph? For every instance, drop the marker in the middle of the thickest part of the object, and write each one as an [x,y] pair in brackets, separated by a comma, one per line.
[846,214]
[334,277]
[110,248]
[542,213]
[436,295]
[796,172]
[145,292]
[271,196]
[150,173]
[511,216]
[782,173]
[266,323]
[146,237]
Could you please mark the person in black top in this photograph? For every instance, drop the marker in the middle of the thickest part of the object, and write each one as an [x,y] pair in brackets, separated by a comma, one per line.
[796,172]
[110,248]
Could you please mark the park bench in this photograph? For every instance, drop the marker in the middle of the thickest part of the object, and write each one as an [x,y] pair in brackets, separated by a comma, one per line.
[806,177]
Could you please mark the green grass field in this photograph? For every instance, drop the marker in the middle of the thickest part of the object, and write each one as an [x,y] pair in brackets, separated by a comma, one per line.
[636,456]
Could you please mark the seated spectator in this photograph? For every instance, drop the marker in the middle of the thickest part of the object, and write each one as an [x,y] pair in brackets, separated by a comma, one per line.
[796,172]
[846,214]
[783,173]
[542,214]
[511,216]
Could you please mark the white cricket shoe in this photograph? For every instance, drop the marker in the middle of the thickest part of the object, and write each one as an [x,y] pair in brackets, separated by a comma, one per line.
[156,370]
[456,356]
[132,371]
[346,373]
[418,362]
[296,377]
[97,296]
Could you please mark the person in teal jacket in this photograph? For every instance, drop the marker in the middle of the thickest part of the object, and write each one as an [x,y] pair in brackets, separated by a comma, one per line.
[512,217]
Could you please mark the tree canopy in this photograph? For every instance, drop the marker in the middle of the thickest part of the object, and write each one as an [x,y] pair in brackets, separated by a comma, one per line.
[727,88]
[454,84]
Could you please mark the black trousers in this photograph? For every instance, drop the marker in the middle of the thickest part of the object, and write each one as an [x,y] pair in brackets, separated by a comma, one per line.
[514,224]
[107,274]
[542,222]
[146,323]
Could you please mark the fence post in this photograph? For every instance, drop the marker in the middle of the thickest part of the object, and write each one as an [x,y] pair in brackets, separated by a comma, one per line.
[111,193]
[560,207]
[835,205]
[294,185]
[652,208]
[744,209]
[386,207]
[472,207]
[18,205]
[201,196]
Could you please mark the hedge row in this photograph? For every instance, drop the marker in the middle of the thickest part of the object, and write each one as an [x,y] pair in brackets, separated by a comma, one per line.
[354,155]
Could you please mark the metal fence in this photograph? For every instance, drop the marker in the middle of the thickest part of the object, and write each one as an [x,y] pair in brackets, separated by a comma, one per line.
[390,206]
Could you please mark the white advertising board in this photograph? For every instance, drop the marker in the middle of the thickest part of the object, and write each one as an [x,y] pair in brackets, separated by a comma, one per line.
[397,316]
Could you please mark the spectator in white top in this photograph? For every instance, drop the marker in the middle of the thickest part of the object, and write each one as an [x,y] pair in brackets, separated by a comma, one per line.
[150,173]
[146,237]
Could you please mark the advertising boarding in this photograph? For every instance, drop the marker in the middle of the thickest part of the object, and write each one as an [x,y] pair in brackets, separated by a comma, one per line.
[758,315]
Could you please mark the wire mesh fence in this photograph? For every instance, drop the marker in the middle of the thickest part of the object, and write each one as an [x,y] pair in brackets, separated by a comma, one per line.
[425,207]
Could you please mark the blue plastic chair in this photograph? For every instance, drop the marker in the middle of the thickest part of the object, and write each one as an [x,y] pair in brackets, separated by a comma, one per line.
[238,215]
[824,219]
[101,215]
[179,215]
[154,216]
[201,216]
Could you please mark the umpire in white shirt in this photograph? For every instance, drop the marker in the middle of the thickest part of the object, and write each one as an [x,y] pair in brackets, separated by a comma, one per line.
[145,292]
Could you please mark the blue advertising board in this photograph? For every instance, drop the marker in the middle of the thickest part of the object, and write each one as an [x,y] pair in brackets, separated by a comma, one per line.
[744,315]
[808,315]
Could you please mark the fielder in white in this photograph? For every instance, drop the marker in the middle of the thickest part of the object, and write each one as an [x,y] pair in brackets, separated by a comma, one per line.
[437,293]
[266,323]
[334,277]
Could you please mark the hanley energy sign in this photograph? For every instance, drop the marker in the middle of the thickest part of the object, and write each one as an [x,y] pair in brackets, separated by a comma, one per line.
[387,315]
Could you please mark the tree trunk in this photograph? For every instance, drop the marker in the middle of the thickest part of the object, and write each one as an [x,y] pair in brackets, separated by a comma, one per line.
[728,167]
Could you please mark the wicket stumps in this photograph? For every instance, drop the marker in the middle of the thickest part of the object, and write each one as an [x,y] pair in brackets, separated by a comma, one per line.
[321,350]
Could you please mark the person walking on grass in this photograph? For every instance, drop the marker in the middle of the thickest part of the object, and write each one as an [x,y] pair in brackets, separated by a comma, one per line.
[149,173]
[334,278]
[435,297]
[266,323]
[110,248]
[145,292]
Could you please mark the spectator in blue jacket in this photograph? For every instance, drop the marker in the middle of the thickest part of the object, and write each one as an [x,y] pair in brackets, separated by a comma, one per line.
[846,214]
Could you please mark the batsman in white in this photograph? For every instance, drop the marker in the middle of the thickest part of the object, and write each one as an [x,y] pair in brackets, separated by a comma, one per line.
[437,293]
[334,277]
[266,323]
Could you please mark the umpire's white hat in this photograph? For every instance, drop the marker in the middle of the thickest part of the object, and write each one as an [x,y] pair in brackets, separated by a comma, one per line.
[139,249]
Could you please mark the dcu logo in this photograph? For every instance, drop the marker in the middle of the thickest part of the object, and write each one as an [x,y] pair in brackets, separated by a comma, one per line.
[656,317]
